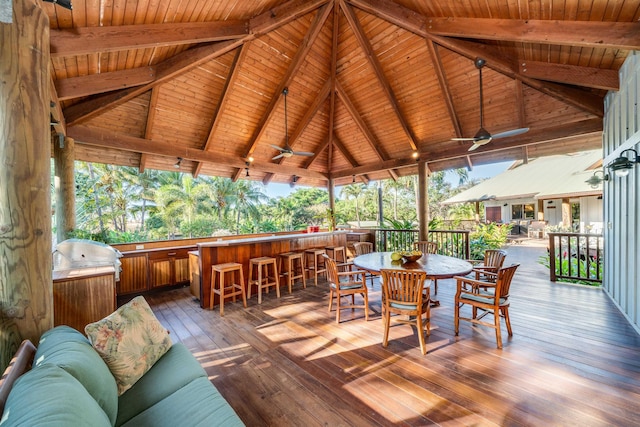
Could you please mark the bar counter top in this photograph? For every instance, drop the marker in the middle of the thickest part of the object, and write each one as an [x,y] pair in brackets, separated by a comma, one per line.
[265,239]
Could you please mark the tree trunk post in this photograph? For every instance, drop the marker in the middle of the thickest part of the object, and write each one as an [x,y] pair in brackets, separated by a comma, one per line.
[26,291]
[423,200]
[65,184]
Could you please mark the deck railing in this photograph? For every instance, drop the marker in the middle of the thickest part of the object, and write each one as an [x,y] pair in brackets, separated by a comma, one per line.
[575,256]
[450,242]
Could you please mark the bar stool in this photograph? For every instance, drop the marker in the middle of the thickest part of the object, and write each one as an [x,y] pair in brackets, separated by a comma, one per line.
[262,280]
[315,262]
[289,268]
[227,290]
[339,255]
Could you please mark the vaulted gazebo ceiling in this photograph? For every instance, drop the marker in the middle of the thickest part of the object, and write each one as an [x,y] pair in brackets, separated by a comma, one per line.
[369,82]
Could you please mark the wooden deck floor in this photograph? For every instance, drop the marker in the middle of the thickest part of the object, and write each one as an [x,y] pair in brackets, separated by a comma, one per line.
[573,359]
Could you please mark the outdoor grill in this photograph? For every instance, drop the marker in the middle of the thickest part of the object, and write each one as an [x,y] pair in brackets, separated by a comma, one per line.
[79,253]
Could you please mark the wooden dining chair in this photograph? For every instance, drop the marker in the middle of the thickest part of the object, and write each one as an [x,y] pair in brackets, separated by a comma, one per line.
[402,293]
[426,247]
[346,283]
[363,248]
[485,298]
[486,269]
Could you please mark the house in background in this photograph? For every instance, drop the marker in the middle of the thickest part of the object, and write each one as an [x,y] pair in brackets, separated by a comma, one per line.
[551,189]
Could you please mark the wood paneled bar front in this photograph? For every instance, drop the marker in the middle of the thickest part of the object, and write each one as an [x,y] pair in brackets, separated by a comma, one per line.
[242,250]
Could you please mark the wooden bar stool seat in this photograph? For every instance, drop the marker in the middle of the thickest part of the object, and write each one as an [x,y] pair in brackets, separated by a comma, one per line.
[263,278]
[315,263]
[292,266]
[225,289]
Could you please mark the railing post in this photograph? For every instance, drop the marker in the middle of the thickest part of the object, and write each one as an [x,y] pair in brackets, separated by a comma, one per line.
[552,258]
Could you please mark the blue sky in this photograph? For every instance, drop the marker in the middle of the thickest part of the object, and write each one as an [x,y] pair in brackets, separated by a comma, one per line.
[478,172]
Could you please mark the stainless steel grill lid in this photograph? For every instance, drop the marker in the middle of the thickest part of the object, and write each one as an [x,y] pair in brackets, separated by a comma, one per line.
[78,253]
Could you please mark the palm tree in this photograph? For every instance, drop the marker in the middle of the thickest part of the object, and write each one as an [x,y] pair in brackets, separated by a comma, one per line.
[354,191]
[246,200]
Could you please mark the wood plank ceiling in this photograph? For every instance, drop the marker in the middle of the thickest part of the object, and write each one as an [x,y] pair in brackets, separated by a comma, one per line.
[142,83]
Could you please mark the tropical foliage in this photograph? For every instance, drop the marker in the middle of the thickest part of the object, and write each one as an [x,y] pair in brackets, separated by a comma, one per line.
[121,204]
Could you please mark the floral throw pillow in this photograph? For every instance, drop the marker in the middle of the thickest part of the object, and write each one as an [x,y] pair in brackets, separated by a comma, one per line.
[129,340]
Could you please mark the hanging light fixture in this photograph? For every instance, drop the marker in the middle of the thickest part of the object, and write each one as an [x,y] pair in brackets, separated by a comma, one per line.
[623,164]
[247,164]
[594,181]
[178,163]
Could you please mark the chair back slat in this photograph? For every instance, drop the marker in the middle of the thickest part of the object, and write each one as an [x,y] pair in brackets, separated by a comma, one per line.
[494,258]
[363,248]
[503,283]
[403,286]
[332,269]
[426,247]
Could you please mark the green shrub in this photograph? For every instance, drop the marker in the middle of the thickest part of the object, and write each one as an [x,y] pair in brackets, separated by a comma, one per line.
[487,236]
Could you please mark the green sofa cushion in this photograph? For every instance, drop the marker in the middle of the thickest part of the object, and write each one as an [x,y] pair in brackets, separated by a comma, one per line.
[49,396]
[199,399]
[71,350]
[175,369]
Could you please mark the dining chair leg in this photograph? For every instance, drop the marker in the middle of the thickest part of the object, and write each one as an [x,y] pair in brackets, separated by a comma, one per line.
[505,313]
[366,306]
[386,316]
[456,319]
[423,345]
[497,326]
[331,295]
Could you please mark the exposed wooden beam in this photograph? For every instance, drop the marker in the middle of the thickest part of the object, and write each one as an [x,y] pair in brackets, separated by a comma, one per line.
[347,155]
[377,67]
[591,34]
[309,114]
[296,62]
[533,137]
[332,101]
[444,87]
[282,14]
[562,73]
[315,156]
[594,34]
[167,70]
[76,87]
[55,110]
[221,105]
[414,22]
[353,111]
[109,139]
[148,129]
[88,40]
[191,58]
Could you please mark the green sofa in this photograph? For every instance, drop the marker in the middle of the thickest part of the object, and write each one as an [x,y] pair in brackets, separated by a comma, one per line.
[70,385]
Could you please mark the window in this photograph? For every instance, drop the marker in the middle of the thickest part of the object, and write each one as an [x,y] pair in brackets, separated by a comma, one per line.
[526,211]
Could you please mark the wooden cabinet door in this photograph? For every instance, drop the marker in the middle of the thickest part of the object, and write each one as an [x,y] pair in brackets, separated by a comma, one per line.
[134,274]
[161,272]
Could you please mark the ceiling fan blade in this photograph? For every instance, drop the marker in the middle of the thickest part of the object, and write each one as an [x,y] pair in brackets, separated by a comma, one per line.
[463,139]
[303,153]
[512,132]
[279,156]
[277,148]
[474,146]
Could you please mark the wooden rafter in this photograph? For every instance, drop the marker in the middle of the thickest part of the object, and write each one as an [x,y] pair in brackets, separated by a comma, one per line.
[74,42]
[221,105]
[444,87]
[76,87]
[296,62]
[418,24]
[563,73]
[148,129]
[308,116]
[347,155]
[332,102]
[377,67]
[109,139]
[533,137]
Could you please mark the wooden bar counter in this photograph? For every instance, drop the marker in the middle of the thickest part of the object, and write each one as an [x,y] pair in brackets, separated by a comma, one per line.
[241,250]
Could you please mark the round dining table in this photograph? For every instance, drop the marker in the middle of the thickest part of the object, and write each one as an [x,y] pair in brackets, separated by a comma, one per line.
[436,266]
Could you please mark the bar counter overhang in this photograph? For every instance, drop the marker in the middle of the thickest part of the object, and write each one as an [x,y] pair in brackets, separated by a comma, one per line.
[243,249]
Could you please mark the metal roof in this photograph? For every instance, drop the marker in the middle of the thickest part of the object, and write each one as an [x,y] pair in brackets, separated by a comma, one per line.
[542,178]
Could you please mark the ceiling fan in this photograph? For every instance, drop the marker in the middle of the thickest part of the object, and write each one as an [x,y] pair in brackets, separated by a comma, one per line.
[287,151]
[483,136]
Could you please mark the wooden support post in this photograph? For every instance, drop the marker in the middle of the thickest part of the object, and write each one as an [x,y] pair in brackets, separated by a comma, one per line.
[566,213]
[332,204]
[477,212]
[26,294]
[423,200]
[65,184]
[540,210]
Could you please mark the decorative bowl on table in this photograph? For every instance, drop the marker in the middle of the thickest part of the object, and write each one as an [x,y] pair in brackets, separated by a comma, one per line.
[412,256]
